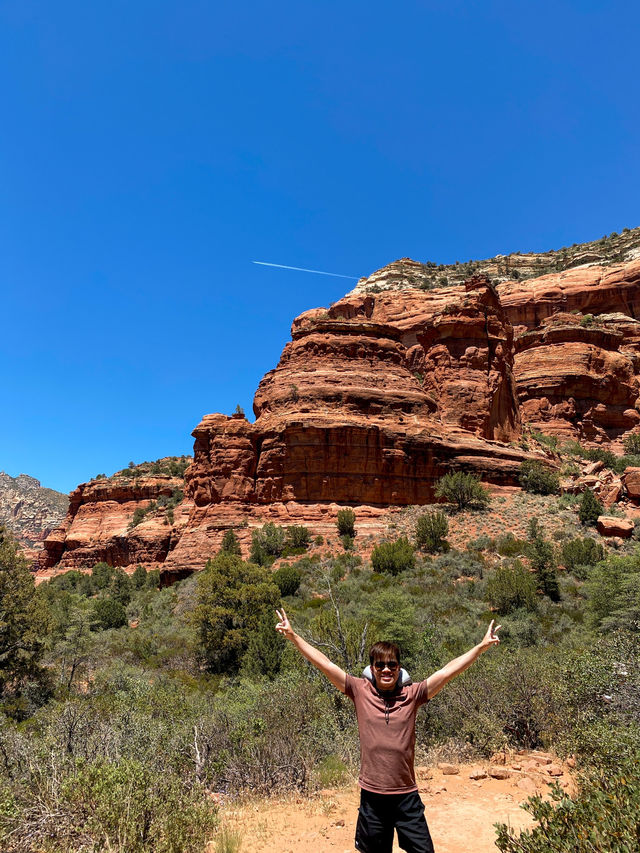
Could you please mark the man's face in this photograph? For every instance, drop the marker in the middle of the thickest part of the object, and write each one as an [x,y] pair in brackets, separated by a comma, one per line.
[386,673]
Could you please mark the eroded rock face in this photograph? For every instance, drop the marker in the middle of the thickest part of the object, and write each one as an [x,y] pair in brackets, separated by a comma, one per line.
[98,525]
[374,399]
[575,381]
[30,511]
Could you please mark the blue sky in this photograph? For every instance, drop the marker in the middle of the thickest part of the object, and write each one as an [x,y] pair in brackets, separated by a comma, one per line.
[151,150]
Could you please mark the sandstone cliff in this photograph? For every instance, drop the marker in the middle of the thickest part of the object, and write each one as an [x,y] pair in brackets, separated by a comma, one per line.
[374,399]
[135,516]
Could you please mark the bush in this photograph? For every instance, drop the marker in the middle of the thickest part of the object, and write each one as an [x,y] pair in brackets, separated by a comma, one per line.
[578,553]
[232,598]
[346,522]
[24,621]
[603,815]
[543,561]
[139,577]
[298,536]
[288,579]
[109,613]
[463,490]
[114,806]
[510,588]
[509,546]
[267,543]
[393,557]
[632,444]
[535,477]
[590,508]
[347,542]
[431,531]
[230,544]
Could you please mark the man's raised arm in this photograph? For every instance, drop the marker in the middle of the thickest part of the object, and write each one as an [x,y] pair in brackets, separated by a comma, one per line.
[438,680]
[335,675]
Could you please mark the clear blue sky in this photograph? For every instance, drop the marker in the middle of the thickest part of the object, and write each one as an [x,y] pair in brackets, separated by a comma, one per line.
[151,150]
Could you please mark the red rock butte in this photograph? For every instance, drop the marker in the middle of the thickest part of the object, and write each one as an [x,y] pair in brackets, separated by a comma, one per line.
[375,399]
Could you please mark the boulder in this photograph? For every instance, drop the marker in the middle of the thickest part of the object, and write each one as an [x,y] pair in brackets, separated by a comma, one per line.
[448,769]
[609,525]
[631,481]
[499,772]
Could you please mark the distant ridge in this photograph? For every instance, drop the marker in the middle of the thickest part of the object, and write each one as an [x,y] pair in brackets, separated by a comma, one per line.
[29,510]
[518,266]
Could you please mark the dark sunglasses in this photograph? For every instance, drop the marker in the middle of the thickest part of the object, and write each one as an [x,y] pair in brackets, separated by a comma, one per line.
[391,665]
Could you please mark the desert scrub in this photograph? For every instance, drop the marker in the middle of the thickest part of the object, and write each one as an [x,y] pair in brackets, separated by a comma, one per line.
[511,587]
[535,477]
[603,815]
[346,522]
[463,490]
[121,806]
[393,557]
[431,531]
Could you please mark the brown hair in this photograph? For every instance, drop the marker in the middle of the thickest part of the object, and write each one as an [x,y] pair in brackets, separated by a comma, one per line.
[384,651]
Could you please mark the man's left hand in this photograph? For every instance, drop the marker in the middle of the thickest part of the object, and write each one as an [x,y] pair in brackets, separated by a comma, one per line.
[491,638]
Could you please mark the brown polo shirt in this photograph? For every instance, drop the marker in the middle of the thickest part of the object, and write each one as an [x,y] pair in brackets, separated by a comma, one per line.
[387,730]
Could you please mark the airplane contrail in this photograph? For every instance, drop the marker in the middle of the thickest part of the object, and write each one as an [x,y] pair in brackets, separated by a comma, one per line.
[302,269]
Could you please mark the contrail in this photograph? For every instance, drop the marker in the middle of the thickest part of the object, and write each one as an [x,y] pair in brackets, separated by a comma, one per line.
[302,269]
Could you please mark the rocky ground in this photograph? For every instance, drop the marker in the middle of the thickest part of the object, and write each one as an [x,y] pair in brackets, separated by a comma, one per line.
[463,802]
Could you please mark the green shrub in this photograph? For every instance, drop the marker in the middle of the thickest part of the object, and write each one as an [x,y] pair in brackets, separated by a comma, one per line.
[125,806]
[347,542]
[535,477]
[319,540]
[541,553]
[346,522]
[267,543]
[109,613]
[331,772]
[510,588]
[602,816]
[590,508]
[578,553]
[463,490]
[101,575]
[431,531]
[298,536]
[232,597]
[508,546]
[393,557]
[230,544]
[139,577]
[632,444]
[24,621]
[288,579]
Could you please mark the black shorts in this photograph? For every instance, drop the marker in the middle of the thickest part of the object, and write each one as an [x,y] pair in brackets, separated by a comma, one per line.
[380,814]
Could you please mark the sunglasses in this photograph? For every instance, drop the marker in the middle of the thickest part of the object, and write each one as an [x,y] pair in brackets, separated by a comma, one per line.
[391,665]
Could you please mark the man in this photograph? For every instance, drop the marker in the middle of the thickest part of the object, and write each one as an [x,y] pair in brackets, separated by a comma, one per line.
[386,710]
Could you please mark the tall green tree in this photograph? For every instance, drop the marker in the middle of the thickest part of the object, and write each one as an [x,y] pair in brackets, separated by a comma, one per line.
[24,621]
[232,599]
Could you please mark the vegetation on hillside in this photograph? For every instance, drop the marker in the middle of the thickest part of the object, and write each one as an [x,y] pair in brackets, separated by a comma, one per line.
[125,705]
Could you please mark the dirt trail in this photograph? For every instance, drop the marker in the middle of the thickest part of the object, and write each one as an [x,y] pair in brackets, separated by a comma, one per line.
[460,812]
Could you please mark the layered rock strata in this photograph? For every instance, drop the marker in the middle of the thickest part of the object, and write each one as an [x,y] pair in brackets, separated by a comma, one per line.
[100,524]
[374,399]
[30,511]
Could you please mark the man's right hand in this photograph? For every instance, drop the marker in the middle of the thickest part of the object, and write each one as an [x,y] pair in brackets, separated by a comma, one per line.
[284,626]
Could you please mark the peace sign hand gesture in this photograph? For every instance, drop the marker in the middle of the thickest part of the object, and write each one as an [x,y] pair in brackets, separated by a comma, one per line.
[284,627]
[491,638]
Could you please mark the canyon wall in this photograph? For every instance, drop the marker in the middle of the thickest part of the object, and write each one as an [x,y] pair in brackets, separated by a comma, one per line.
[374,399]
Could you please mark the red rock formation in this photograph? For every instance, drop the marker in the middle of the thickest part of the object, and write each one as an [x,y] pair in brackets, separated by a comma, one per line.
[373,400]
[573,380]
[98,525]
